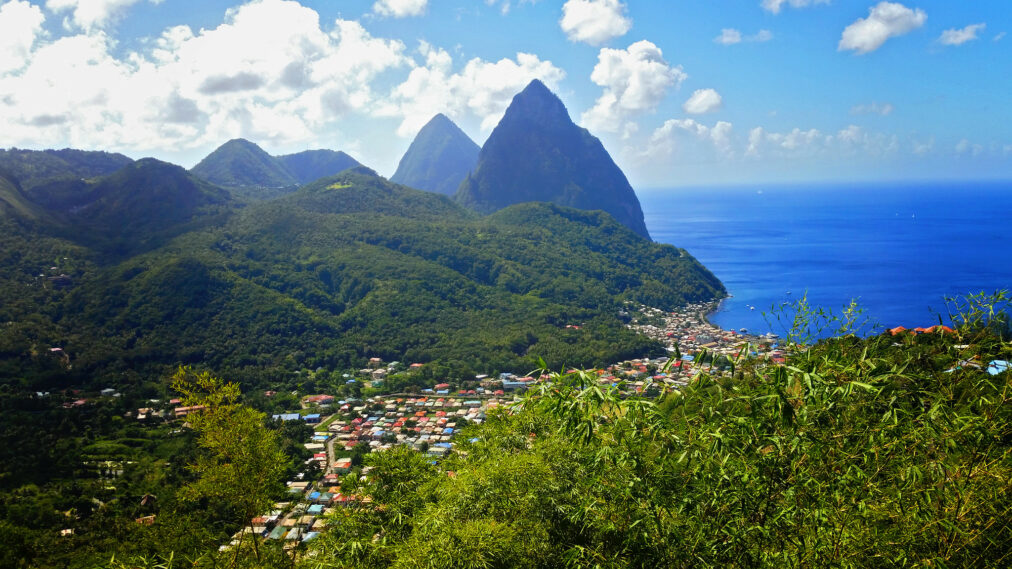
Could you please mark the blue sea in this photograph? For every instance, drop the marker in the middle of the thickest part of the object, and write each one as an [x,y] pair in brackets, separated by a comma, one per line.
[898,249]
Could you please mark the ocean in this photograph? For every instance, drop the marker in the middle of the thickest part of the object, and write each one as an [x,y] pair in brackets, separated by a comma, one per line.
[899,249]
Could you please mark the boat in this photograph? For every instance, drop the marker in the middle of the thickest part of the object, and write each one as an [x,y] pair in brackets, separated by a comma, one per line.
[743,330]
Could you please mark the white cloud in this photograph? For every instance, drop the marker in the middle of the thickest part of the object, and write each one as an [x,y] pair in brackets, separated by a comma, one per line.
[794,144]
[964,147]
[594,21]
[92,14]
[506,5]
[664,140]
[400,8]
[961,36]
[854,139]
[999,36]
[775,5]
[731,36]
[635,80]
[728,36]
[873,108]
[703,101]
[20,30]
[885,20]
[482,89]
[922,147]
[275,75]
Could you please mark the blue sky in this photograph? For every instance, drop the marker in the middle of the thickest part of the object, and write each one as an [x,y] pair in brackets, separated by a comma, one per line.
[682,92]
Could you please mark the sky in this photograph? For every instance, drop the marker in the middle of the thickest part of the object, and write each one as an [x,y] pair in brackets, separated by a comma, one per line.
[681,92]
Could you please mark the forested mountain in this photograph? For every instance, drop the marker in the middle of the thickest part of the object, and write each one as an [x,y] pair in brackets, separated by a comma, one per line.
[250,172]
[311,165]
[439,158]
[240,163]
[346,268]
[537,153]
[353,267]
[13,199]
[32,167]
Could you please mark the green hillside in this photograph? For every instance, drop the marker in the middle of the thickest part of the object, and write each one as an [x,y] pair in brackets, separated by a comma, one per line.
[34,167]
[14,201]
[312,165]
[134,209]
[242,164]
[352,267]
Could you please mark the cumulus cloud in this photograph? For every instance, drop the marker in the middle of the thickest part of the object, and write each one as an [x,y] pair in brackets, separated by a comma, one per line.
[961,36]
[873,108]
[20,30]
[92,14]
[400,8]
[482,89]
[667,139]
[275,75]
[635,80]
[793,144]
[774,6]
[923,147]
[808,143]
[964,147]
[885,20]
[594,21]
[506,5]
[731,36]
[728,36]
[703,101]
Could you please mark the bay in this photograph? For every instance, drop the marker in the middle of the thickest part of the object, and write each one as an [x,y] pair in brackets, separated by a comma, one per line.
[897,249]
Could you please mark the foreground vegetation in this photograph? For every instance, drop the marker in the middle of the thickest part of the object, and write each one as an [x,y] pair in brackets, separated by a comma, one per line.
[889,451]
[858,453]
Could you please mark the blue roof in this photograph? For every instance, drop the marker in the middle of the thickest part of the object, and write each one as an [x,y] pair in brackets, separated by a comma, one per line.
[997,366]
[315,509]
[688,358]
[288,417]
[314,495]
[448,431]
[443,445]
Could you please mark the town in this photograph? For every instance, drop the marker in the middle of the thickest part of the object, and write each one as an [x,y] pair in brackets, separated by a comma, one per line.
[369,414]
[428,421]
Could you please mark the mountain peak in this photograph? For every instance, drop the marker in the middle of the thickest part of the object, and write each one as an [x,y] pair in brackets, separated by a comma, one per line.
[537,103]
[241,163]
[537,154]
[439,158]
[310,165]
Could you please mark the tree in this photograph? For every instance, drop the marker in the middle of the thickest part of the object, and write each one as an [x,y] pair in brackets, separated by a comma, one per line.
[242,462]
